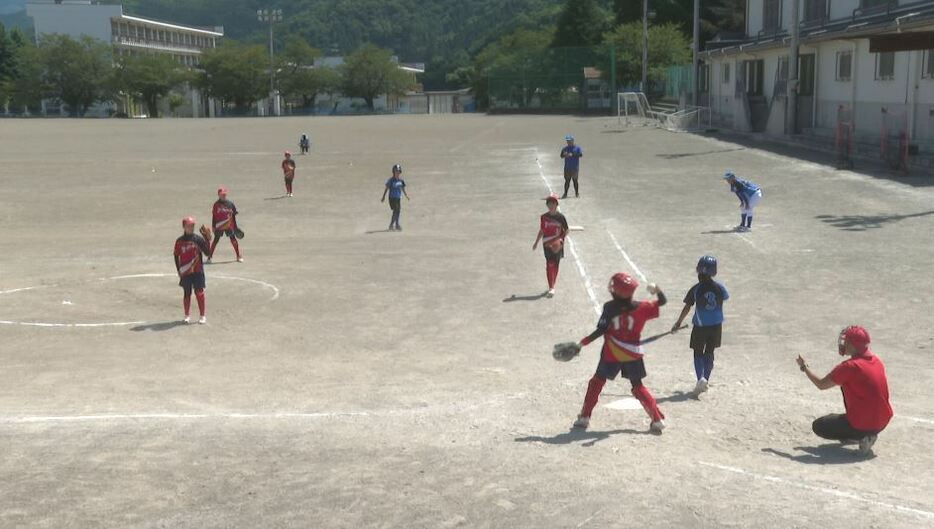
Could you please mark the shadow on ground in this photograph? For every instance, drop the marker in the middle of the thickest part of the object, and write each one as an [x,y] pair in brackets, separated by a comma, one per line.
[531,297]
[280,197]
[678,396]
[866,222]
[825,454]
[578,435]
[675,156]
[371,232]
[158,327]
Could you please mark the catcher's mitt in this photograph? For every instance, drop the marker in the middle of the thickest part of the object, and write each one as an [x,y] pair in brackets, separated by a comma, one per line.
[565,352]
[555,245]
[206,232]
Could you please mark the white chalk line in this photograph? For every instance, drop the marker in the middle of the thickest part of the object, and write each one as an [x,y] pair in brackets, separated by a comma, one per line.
[270,286]
[32,419]
[625,255]
[915,419]
[588,284]
[814,488]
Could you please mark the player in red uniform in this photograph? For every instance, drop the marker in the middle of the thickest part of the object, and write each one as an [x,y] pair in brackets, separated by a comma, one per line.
[552,231]
[288,171]
[224,214]
[188,251]
[621,327]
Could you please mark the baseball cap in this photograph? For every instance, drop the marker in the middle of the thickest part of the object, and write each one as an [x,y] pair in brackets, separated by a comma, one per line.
[729,174]
[552,198]
[569,138]
[221,190]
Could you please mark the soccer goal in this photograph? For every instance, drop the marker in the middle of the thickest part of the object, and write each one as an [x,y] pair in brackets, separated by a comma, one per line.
[633,109]
[689,119]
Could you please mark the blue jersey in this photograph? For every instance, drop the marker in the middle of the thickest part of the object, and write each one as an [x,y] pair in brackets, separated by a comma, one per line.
[395,187]
[707,297]
[572,163]
[744,189]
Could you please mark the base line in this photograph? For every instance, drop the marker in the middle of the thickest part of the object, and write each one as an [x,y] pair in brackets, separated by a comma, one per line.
[626,256]
[173,416]
[588,284]
[831,492]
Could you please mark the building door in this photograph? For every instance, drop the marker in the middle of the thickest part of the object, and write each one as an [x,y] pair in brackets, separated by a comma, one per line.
[805,91]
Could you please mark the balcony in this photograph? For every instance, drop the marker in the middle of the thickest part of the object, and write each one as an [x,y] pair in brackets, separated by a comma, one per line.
[161,45]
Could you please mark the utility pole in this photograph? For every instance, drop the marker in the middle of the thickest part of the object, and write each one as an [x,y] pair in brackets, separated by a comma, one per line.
[695,64]
[791,123]
[645,46]
[271,16]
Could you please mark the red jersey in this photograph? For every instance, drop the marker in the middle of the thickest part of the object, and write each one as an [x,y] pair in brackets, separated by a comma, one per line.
[188,250]
[288,167]
[223,214]
[622,330]
[865,392]
[553,227]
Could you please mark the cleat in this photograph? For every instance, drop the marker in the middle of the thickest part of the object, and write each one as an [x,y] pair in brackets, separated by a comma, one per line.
[866,443]
[208,261]
[701,386]
[239,259]
[657,426]
[398,228]
[550,293]
[187,319]
[582,422]
[202,320]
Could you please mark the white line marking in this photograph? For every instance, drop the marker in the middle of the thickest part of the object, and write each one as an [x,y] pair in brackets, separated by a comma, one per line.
[588,284]
[916,419]
[832,492]
[22,289]
[747,240]
[43,324]
[270,286]
[174,416]
[626,257]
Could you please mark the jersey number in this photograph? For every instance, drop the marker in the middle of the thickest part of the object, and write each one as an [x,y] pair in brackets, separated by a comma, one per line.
[711,300]
[630,323]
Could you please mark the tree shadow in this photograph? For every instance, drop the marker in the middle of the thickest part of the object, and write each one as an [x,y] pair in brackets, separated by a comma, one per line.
[679,396]
[704,153]
[531,297]
[576,435]
[866,222]
[825,454]
[158,327]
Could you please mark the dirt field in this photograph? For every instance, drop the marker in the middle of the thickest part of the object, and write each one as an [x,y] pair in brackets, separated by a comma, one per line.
[351,377]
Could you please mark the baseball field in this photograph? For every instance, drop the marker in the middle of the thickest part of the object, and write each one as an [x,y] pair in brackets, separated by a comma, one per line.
[350,377]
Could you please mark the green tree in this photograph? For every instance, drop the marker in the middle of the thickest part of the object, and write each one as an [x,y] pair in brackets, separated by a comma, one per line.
[516,56]
[371,72]
[7,67]
[76,71]
[236,74]
[581,23]
[668,46]
[27,85]
[298,78]
[149,78]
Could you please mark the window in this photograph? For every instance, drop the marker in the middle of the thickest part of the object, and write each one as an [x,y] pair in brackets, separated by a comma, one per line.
[869,4]
[844,65]
[704,72]
[806,75]
[771,16]
[726,72]
[885,66]
[815,10]
[754,79]
[928,70]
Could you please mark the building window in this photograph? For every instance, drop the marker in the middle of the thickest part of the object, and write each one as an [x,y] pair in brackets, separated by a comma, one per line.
[928,71]
[844,65]
[754,77]
[806,75]
[885,66]
[726,72]
[815,10]
[771,16]
[704,72]
[869,4]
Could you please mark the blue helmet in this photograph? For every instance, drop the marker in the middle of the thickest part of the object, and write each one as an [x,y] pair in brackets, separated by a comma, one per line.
[707,265]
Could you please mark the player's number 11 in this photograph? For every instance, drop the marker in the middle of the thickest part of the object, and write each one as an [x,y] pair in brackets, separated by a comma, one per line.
[630,323]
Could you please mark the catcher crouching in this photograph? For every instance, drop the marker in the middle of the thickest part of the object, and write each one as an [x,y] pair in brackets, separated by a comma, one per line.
[189,251]
[621,327]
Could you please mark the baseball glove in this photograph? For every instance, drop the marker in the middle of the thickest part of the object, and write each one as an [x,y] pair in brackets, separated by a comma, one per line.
[565,352]
[554,245]
[206,232]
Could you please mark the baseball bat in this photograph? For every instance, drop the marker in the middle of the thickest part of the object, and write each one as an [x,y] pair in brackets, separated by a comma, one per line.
[660,335]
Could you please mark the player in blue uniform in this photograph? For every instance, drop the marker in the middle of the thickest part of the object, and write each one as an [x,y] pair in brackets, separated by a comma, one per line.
[707,298]
[572,163]
[395,186]
[749,195]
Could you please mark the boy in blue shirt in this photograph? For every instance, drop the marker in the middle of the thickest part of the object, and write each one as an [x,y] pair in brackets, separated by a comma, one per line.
[749,195]
[572,162]
[395,186]
[707,298]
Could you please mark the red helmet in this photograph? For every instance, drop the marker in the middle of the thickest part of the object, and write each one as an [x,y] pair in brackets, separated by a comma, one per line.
[551,198]
[188,220]
[221,190]
[288,153]
[856,336]
[623,285]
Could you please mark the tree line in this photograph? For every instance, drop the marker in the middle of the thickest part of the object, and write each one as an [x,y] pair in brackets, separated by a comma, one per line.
[81,72]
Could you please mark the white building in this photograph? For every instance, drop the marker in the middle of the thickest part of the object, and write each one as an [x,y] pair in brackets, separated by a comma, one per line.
[865,62]
[129,35]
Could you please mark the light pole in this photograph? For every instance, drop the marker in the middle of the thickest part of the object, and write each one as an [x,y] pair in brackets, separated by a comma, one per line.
[695,60]
[646,15]
[271,16]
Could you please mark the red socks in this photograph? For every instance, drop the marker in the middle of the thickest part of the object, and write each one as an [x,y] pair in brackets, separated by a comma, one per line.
[214,245]
[288,186]
[551,272]
[648,402]
[200,295]
[186,304]
[593,393]
[236,246]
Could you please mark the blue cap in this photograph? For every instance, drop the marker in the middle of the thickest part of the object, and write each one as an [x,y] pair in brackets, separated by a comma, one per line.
[569,138]
[729,174]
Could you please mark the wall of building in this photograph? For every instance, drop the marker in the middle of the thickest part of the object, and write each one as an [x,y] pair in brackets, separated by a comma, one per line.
[74,19]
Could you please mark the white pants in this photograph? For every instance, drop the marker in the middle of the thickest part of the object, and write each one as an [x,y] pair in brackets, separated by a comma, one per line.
[752,202]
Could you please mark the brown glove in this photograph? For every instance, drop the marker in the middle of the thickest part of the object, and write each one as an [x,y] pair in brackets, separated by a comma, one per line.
[206,233]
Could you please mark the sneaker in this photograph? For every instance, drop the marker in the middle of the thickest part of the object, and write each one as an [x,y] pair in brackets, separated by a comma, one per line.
[865,444]
[187,319]
[239,259]
[208,261]
[701,386]
[582,422]
[657,426]
[202,320]
[398,228]
[550,293]
[564,196]
[740,228]
[392,227]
